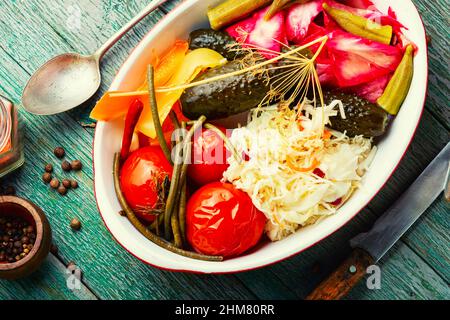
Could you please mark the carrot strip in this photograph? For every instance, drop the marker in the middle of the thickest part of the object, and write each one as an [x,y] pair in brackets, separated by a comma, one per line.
[326,135]
[314,164]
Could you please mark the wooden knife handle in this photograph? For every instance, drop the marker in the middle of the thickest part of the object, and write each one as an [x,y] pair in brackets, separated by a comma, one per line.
[342,280]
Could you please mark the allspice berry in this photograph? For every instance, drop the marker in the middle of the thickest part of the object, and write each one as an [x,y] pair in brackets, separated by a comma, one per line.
[65,165]
[74,184]
[66,183]
[62,190]
[47,177]
[54,183]
[75,224]
[59,152]
[76,165]
[48,168]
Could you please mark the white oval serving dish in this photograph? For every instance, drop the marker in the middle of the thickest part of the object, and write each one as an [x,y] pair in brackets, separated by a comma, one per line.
[186,17]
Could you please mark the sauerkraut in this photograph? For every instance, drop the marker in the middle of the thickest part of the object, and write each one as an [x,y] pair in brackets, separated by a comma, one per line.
[296,171]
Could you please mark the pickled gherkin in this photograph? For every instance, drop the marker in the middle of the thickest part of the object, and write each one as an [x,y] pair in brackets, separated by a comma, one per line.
[398,87]
[360,26]
[218,41]
[362,117]
[225,97]
[233,10]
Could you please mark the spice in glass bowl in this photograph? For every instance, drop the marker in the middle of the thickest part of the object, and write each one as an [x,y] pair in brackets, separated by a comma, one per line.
[11,154]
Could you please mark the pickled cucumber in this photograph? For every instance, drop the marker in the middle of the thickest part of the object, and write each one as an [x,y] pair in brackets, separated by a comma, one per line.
[360,26]
[362,117]
[233,10]
[226,97]
[218,41]
[398,87]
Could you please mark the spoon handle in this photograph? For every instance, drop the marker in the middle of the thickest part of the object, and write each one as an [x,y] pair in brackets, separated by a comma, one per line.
[108,44]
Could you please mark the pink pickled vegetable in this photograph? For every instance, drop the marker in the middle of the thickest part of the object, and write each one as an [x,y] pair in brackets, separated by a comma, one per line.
[258,32]
[357,60]
[360,4]
[351,70]
[325,72]
[371,91]
[241,30]
[299,17]
[384,56]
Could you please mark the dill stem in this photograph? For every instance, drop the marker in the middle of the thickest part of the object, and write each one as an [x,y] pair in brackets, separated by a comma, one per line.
[321,40]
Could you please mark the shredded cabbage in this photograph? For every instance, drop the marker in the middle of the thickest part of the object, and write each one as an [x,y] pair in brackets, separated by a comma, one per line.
[284,147]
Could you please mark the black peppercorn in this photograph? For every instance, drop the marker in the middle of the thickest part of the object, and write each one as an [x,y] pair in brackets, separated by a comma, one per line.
[15,242]
[74,184]
[75,224]
[59,152]
[48,168]
[54,183]
[47,177]
[62,190]
[66,183]
[76,165]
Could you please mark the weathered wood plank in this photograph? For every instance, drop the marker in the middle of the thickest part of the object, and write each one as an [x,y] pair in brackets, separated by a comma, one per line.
[169,5]
[430,236]
[303,272]
[47,283]
[85,25]
[255,280]
[57,24]
[98,21]
[436,22]
[93,249]
[410,285]
[431,240]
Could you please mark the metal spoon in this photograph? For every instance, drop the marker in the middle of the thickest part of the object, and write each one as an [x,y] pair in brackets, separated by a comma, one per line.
[70,79]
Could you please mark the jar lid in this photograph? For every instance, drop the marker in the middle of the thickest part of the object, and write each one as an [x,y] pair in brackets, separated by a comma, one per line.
[5,122]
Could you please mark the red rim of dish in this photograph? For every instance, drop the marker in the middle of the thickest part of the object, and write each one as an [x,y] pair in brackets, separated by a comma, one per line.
[302,250]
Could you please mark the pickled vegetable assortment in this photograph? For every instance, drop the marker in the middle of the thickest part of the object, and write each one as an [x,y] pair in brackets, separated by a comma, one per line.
[316,81]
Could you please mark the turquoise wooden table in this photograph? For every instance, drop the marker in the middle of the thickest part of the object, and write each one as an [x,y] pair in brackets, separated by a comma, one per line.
[32,31]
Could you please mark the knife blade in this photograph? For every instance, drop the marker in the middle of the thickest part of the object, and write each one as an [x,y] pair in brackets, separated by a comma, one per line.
[407,209]
[370,247]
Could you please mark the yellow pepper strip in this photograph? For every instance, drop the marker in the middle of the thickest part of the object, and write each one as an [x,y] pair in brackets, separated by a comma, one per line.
[360,26]
[115,104]
[168,65]
[398,88]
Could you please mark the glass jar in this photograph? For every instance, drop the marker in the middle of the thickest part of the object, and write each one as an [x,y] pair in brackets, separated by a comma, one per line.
[11,153]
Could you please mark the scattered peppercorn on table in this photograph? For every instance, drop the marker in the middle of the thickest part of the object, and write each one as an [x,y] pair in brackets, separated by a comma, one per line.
[416,268]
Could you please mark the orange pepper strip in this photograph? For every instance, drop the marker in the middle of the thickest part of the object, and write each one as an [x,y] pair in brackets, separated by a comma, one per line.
[193,63]
[111,107]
